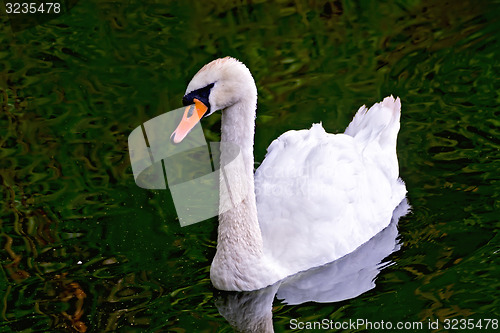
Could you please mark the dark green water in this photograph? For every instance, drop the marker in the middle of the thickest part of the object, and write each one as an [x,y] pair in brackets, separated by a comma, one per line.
[78,235]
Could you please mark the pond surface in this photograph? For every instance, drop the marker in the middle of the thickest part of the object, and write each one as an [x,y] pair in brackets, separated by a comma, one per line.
[85,249]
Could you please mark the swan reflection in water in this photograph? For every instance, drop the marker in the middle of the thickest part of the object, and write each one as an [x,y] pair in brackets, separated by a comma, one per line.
[345,278]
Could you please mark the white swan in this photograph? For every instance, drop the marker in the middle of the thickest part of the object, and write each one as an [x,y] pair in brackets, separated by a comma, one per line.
[316,196]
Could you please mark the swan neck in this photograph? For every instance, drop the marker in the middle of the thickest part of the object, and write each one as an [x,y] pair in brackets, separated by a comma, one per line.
[240,245]
[238,127]
[239,234]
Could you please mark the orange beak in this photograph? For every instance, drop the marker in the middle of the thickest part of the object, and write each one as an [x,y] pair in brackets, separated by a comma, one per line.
[191,117]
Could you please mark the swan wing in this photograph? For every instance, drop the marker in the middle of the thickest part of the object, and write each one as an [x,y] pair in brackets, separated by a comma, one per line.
[320,196]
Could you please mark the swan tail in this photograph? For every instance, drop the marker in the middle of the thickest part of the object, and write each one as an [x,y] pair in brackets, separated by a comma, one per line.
[379,124]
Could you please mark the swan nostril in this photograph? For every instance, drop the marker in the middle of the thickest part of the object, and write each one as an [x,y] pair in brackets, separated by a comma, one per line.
[190,111]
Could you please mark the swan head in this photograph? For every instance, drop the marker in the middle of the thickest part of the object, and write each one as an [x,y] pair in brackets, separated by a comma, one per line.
[218,85]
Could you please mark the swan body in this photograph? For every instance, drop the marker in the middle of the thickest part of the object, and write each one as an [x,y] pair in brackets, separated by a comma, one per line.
[315,198]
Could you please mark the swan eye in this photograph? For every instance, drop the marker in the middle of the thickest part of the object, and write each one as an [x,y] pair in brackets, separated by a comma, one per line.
[199,94]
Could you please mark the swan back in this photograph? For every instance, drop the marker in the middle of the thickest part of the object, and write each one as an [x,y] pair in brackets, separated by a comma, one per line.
[320,196]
